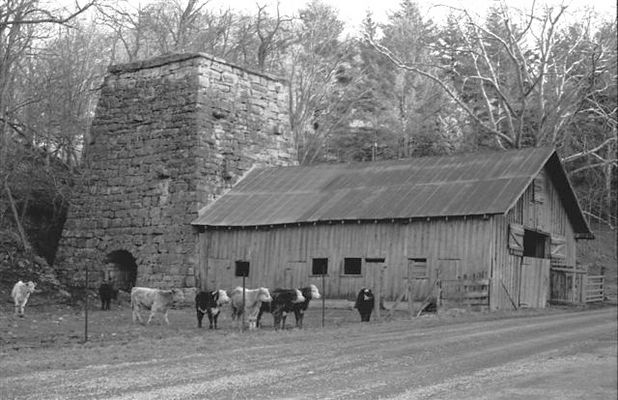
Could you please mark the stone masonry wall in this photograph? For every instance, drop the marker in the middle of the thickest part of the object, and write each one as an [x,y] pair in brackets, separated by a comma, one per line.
[169,135]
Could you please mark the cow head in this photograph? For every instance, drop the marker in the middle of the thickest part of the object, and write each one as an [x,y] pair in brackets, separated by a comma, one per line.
[367,294]
[221,297]
[315,293]
[178,295]
[299,297]
[264,295]
[30,286]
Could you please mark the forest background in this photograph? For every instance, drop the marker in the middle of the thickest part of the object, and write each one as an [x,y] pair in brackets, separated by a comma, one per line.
[405,87]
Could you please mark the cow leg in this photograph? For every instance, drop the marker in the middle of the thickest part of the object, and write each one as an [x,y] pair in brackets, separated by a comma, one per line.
[211,319]
[298,314]
[167,321]
[284,315]
[136,315]
[200,316]
[258,320]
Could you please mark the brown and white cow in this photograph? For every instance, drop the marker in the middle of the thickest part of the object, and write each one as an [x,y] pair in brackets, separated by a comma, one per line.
[20,294]
[155,300]
[253,301]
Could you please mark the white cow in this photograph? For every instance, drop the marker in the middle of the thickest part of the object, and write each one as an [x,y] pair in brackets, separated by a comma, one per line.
[253,302]
[155,300]
[20,294]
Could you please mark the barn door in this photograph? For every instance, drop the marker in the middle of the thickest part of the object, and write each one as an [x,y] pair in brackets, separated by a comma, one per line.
[534,282]
[374,280]
[418,278]
[220,274]
[294,275]
[450,275]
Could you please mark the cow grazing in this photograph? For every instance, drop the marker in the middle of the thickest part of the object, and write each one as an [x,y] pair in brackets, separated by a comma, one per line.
[107,293]
[365,302]
[155,300]
[282,303]
[210,303]
[253,301]
[21,293]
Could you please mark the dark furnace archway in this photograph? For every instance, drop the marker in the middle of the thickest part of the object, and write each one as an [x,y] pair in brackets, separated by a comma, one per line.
[121,268]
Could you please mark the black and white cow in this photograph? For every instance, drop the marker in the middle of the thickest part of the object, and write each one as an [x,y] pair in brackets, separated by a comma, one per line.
[365,301]
[283,302]
[310,292]
[210,303]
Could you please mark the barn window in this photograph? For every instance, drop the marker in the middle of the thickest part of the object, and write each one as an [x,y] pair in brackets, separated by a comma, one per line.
[535,244]
[352,266]
[418,268]
[319,266]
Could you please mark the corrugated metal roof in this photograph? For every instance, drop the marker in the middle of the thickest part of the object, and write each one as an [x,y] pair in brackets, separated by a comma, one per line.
[470,184]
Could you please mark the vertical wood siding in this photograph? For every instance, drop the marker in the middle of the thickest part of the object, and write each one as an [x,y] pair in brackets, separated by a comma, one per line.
[282,255]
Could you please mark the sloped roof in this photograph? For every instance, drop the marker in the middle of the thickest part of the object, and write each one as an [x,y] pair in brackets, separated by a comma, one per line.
[461,185]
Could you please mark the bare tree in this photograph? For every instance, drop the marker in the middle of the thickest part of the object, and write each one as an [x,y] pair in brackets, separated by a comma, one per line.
[22,23]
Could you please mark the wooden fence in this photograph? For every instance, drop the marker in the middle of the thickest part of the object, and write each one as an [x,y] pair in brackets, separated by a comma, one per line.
[594,288]
[566,285]
[574,286]
[468,293]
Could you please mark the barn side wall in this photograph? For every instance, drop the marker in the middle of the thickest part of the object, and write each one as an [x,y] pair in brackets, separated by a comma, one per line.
[168,136]
[548,216]
[282,256]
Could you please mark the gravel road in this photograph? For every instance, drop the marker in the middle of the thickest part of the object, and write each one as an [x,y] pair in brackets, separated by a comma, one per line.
[555,356]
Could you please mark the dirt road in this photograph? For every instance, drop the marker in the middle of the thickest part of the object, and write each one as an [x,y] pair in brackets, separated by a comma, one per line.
[555,356]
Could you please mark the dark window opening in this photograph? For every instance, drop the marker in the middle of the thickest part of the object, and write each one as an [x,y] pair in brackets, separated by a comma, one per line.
[352,266]
[121,269]
[535,244]
[319,266]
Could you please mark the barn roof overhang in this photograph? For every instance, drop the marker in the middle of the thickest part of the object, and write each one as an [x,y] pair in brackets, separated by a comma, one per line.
[399,221]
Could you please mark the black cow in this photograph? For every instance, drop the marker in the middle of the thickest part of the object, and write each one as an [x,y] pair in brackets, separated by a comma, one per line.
[365,302]
[282,303]
[107,293]
[209,303]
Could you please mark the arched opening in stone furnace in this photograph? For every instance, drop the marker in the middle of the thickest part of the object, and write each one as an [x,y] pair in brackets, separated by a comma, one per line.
[121,268]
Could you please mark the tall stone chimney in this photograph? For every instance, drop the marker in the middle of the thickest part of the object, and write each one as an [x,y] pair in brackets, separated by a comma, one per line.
[168,136]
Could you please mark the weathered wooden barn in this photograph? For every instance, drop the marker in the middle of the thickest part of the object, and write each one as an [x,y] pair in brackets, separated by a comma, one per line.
[484,228]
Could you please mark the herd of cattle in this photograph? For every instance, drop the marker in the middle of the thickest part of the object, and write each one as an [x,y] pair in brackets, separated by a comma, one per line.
[245,303]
